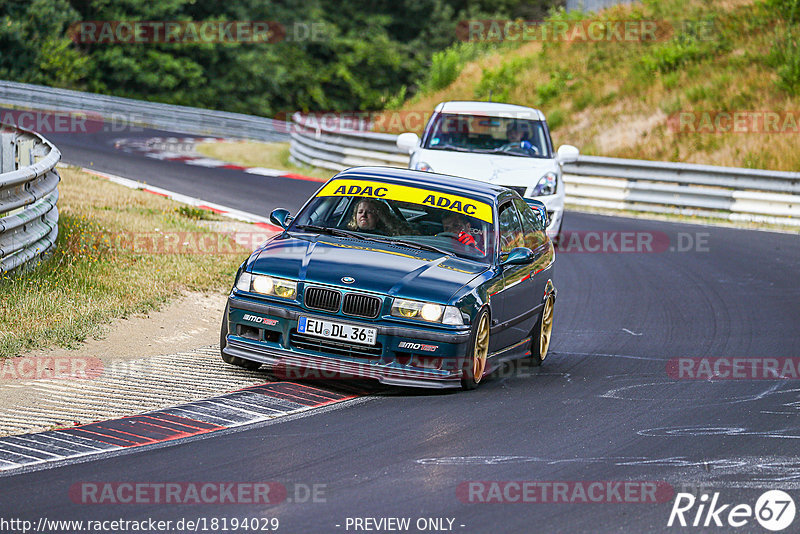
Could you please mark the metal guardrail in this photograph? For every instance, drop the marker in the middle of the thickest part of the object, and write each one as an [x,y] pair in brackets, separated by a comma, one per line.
[141,113]
[320,145]
[730,193]
[28,196]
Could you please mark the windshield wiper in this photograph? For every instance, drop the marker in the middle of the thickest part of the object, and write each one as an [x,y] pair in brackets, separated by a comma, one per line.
[346,233]
[326,230]
[413,244]
[450,147]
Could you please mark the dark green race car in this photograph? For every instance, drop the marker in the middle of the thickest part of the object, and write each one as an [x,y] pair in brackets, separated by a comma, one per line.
[407,277]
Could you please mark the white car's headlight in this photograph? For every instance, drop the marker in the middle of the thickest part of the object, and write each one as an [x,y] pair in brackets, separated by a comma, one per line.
[427,311]
[547,185]
[267,285]
[422,166]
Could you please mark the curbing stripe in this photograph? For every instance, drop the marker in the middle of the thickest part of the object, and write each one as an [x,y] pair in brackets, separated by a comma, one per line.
[235,409]
[261,222]
[158,148]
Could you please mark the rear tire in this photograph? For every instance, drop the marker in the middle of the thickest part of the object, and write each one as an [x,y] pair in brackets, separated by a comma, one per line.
[223,342]
[475,362]
[542,332]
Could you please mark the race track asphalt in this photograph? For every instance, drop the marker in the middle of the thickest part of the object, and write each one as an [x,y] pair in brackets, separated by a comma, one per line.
[603,408]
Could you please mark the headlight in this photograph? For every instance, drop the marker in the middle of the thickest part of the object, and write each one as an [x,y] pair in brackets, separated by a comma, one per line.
[427,311]
[422,166]
[267,285]
[547,185]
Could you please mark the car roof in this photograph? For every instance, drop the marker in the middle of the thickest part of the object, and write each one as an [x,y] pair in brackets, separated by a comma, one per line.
[489,109]
[429,180]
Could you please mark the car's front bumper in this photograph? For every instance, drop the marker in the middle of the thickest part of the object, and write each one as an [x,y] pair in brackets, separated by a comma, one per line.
[436,362]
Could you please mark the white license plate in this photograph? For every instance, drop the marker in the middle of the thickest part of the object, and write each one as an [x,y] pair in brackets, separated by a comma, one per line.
[338,331]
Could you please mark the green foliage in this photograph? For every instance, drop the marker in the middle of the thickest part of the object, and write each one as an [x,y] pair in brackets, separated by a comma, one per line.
[445,68]
[785,56]
[555,118]
[675,54]
[197,214]
[553,88]
[367,51]
[497,83]
[34,46]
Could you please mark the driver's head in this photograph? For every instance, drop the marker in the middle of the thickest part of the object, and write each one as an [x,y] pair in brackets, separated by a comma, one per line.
[455,223]
[518,131]
[366,214]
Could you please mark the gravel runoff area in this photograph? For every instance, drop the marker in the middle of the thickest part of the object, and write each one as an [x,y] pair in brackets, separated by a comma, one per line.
[143,363]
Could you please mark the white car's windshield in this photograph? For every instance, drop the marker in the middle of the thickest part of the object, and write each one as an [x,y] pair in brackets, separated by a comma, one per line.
[488,135]
[458,228]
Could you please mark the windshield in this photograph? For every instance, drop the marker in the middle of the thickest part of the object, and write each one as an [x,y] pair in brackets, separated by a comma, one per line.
[430,220]
[488,135]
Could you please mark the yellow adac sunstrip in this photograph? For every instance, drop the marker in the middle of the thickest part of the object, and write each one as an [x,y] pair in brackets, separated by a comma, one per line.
[402,193]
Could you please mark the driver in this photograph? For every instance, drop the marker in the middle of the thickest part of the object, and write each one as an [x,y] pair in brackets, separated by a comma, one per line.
[373,217]
[518,132]
[459,225]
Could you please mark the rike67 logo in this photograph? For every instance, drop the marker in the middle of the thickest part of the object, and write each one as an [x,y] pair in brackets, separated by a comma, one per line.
[774,510]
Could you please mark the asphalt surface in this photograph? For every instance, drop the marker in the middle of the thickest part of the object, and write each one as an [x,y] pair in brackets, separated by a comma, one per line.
[602,408]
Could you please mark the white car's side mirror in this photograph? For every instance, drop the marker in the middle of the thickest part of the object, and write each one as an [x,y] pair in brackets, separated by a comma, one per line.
[407,142]
[568,154]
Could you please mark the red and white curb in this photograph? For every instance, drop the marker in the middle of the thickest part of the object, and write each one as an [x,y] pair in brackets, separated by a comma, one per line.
[181,150]
[250,405]
[225,211]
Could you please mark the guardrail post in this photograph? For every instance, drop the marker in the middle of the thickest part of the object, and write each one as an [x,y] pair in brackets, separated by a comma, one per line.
[28,194]
[24,153]
[8,154]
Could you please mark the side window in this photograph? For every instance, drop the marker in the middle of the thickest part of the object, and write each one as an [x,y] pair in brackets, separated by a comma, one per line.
[338,212]
[510,228]
[530,224]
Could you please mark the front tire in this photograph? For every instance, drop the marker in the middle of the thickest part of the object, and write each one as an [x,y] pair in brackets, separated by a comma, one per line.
[223,342]
[475,362]
[542,332]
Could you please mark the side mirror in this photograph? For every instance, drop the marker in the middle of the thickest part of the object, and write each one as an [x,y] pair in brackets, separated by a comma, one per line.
[407,142]
[568,154]
[540,210]
[518,256]
[280,217]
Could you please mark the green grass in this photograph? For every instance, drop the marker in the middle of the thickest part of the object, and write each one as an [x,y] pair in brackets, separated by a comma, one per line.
[90,280]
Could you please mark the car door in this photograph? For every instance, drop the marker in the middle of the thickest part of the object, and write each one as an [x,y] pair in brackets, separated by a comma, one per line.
[512,305]
[536,239]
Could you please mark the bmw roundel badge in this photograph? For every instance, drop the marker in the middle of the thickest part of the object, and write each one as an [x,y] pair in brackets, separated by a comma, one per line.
[348,279]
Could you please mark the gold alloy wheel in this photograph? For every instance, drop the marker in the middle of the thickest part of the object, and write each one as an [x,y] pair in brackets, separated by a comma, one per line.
[547,328]
[481,348]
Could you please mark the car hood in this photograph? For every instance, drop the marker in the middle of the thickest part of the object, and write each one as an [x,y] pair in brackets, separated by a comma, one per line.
[376,267]
[498,169]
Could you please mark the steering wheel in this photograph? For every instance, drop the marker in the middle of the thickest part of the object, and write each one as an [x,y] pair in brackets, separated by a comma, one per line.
[447,234]
[521,145]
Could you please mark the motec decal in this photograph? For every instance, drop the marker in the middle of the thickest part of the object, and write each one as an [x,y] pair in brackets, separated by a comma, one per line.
[402,193]
[260,320]
[416,346]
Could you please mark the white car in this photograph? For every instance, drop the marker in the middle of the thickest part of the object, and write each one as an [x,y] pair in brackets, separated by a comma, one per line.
[498,143]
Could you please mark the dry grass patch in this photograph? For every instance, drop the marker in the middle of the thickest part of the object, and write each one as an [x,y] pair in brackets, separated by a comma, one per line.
[616,98]
[95,275]
[257,154]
